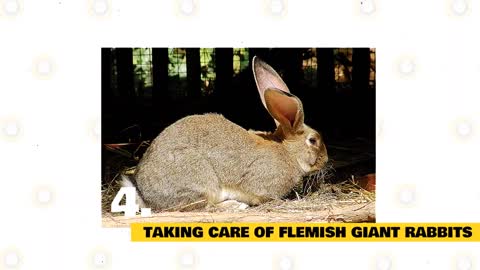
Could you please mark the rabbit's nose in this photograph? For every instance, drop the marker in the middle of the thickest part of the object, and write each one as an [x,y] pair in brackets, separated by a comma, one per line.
[322,161]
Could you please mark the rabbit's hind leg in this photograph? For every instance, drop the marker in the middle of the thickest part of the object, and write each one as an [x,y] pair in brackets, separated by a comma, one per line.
[187,200]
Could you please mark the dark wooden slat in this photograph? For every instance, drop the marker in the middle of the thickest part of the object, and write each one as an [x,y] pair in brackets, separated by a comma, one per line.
[125,74]
[224,69]
[361,69]
[159,74]
[193,72]
[326,70]
[364,96]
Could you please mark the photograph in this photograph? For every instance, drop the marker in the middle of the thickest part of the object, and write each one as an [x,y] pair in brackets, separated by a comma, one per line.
[238,135]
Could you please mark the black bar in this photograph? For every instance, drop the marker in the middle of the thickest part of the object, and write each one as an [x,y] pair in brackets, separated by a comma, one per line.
[361,69]
[193,72]
[125,74]
[159,74]
[326,71]
[224,69]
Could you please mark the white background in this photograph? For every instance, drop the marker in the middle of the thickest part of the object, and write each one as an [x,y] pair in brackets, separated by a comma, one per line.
[428,124]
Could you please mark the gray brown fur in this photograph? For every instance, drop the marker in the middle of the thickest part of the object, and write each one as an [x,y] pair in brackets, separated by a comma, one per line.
[206,158]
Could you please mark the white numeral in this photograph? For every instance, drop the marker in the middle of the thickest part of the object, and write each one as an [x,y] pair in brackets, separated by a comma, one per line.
[130,207]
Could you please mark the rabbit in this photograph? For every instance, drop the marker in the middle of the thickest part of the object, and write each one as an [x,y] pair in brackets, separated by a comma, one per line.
[206,159]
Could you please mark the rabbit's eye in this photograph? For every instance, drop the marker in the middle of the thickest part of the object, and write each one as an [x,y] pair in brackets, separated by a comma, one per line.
[312,140]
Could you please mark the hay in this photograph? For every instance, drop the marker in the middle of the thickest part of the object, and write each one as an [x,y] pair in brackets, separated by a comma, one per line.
[330,196]
[109,191]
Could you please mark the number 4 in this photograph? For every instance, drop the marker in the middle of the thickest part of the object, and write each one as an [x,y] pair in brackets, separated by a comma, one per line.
[130,207]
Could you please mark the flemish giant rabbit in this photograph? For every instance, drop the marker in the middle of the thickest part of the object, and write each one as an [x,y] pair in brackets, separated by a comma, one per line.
[208,159]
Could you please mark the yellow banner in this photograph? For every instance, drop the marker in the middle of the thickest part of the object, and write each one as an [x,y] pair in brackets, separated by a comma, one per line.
[305,232]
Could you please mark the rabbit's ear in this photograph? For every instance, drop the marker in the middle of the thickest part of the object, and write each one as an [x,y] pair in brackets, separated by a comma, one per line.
[285,108]
[266,78]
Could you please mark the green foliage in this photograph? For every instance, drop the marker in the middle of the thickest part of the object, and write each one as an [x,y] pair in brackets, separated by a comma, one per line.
[142,66]
[177,62]
[240,59]
[207,70]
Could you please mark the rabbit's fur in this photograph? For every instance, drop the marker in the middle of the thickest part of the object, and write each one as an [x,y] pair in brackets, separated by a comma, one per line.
[206,159]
